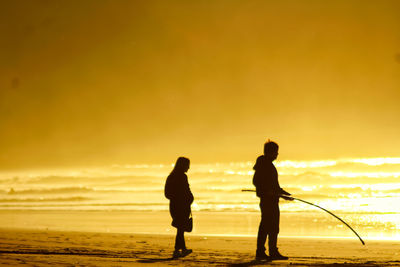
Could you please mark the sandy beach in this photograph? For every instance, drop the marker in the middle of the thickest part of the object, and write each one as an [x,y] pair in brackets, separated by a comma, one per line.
[116,116]
[70,248]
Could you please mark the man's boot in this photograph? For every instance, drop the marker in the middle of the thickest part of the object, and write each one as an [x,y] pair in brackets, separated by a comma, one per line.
[275,255]
[261,256]
[273,249]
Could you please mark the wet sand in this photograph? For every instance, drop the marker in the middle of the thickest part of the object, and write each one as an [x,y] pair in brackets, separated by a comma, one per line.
[20,247]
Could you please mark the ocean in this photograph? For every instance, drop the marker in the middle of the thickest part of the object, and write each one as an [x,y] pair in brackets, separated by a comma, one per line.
[365,192]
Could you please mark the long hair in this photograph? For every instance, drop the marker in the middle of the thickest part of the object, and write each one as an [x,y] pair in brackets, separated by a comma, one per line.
[181,164]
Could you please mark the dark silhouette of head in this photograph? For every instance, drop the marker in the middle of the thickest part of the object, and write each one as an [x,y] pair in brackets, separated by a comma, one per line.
[271,150]
[182,165]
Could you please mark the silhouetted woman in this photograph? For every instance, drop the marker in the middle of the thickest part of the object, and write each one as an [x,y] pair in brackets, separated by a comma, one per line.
[177,190]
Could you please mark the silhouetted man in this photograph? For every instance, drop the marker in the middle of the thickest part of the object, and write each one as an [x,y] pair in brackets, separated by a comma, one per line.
[268,190]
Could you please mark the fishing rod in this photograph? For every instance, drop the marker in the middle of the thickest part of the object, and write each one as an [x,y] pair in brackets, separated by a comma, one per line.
[312,204]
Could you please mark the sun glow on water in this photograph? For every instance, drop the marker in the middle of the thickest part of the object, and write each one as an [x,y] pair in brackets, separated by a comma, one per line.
[377,161]
[364,174]
[363,190]
[305,164]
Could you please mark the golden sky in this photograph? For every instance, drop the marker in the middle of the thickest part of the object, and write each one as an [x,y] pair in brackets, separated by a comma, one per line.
[101,82]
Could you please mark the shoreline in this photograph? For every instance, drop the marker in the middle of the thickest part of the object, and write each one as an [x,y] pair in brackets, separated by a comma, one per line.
[172,233]
[242,224]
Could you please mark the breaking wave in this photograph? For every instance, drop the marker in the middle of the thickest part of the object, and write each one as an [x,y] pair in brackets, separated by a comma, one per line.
[347,185]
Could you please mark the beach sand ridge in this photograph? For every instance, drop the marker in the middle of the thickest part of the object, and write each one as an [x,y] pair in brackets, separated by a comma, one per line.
[44,248]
